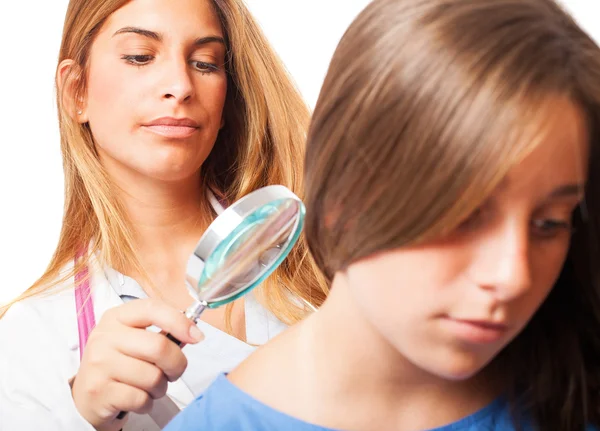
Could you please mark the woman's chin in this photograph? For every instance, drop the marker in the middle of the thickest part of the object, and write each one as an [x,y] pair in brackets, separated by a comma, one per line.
[175,176]
[169,173]
[176,168]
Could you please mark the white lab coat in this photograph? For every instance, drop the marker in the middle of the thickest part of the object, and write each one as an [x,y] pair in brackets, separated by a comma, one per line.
[39,354]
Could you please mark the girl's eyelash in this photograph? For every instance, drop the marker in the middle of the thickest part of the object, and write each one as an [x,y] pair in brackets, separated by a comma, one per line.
[549,228]
[543,228]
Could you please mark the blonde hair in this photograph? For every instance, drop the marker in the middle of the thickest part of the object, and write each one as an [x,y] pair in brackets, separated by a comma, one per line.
[262,143]
[426,106]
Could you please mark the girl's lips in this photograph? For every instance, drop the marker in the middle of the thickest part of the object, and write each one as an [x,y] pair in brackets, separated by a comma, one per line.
[476,331]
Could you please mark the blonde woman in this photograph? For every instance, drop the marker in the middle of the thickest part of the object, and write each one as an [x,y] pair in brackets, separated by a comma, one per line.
[168,110]
[453,191]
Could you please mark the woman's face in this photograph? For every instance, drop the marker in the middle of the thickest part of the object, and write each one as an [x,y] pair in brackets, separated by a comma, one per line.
[156,88]
[450,306]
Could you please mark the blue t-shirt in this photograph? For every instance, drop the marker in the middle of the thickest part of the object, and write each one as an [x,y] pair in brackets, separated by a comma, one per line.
[225,407]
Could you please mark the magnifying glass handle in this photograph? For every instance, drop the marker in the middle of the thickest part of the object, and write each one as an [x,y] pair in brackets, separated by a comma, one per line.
[193,313]
[173,339]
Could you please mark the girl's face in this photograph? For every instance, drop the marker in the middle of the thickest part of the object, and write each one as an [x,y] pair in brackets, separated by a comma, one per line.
[450,306]
[156,88]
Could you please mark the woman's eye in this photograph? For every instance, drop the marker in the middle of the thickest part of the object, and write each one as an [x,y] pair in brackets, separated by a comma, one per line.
[138,60]
[204,67]
[548,228]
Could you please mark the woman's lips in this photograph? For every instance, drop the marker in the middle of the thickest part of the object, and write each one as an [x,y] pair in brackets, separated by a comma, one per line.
[173,132]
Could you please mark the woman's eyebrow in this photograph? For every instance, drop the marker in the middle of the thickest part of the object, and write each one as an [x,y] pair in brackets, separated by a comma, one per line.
[158,37]
[143,32]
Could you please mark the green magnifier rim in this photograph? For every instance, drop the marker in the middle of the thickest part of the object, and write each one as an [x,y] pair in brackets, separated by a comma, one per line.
[228,244]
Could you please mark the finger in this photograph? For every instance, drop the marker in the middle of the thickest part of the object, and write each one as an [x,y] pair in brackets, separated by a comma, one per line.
[153,348]
[140,374]
[145,312]
[128,398]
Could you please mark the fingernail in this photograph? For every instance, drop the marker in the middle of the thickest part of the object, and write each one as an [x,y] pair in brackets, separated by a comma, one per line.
[196,333]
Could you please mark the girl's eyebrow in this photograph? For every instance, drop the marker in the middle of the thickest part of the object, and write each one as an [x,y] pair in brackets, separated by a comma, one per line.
[567,190]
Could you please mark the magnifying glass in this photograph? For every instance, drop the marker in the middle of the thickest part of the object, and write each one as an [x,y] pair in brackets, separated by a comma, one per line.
[242,247]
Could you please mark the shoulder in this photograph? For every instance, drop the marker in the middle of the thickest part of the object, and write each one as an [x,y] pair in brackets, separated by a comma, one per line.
[51,304]
[51,313]
[47,306]
[224,407]
[217,409]
[41,350]
[39,355]
[209,411]
[44,324]
[41,326]
[498,416]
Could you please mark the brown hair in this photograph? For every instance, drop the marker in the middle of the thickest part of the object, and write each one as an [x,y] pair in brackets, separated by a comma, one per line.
[426,106]
[262,143]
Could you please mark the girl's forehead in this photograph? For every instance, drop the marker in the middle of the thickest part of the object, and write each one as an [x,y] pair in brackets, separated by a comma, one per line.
[560,152]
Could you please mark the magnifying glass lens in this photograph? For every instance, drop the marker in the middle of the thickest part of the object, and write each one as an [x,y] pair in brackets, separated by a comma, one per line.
[251,251]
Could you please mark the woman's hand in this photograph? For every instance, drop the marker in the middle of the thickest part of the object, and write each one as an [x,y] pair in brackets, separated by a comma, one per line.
[125,367]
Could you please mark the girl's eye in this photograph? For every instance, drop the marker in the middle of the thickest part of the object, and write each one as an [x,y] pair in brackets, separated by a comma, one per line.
[137,60]
[476,218]
[548,228]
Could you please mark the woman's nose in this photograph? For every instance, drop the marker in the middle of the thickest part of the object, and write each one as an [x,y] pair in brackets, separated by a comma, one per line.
[178,81]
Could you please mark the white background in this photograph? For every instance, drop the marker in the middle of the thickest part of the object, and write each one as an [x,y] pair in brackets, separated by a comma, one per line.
[303,32]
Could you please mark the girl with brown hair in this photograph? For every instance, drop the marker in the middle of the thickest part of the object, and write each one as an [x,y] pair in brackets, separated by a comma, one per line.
[453,195]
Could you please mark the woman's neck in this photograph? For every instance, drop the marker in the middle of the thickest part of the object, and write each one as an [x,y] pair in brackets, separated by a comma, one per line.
[344,375]
[168,218]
